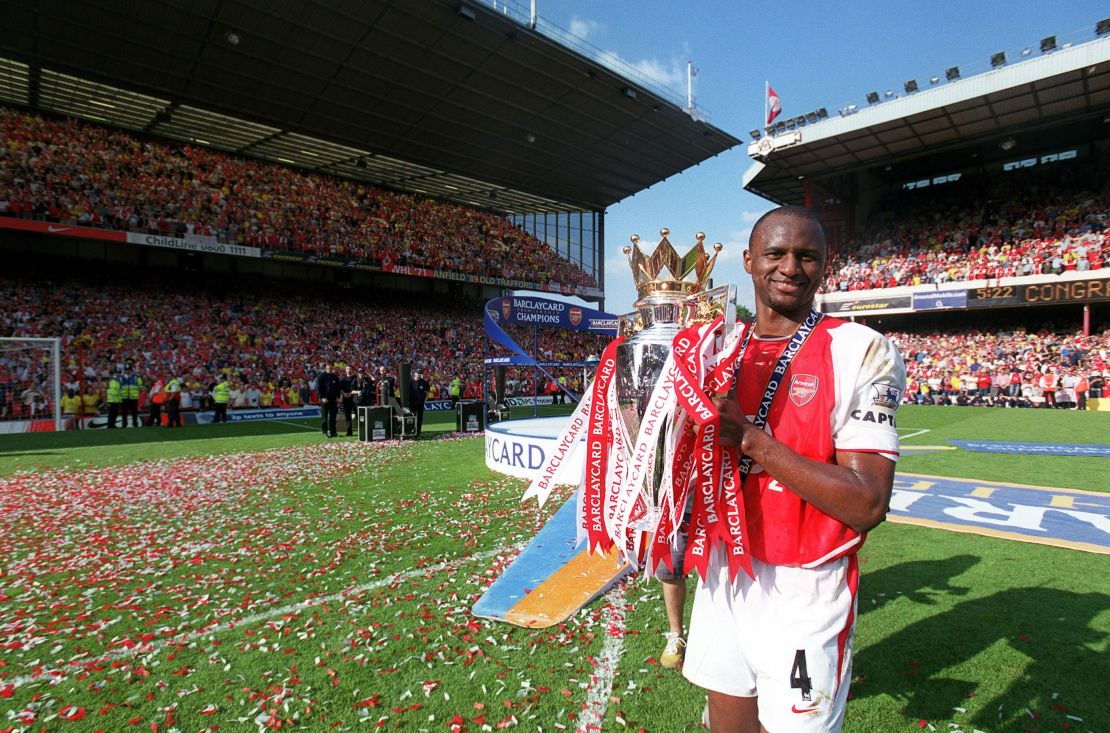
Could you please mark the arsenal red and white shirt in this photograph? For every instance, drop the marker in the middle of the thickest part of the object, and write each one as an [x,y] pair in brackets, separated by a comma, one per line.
[841,393]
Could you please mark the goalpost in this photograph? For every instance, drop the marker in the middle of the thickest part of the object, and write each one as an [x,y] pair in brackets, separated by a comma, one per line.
[30,384]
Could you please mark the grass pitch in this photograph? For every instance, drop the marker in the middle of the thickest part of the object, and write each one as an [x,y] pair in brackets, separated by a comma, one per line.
[244,577]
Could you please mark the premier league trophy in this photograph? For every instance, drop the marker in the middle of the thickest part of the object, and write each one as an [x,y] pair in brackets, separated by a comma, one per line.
[668,301]
[634,421]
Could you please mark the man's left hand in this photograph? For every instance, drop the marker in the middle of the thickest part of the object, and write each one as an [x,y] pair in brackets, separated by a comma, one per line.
[733,422]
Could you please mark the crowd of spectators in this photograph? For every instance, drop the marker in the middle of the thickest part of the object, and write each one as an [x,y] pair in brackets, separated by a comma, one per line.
[1010,368]
[271,345]
[77,173]
[1016,223]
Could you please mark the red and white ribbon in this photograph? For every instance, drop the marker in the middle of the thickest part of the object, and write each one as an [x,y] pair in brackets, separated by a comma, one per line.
[598,439]
[633,493]
[565,447]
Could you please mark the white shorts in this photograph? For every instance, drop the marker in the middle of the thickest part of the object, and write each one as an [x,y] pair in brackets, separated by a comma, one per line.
[785,637]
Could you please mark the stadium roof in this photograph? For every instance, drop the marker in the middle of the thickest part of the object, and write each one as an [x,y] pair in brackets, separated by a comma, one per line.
[456,101]
[1067,89]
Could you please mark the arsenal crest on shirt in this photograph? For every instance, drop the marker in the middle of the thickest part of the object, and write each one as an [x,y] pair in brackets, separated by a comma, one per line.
[802,389]
[575,315]
[506,307]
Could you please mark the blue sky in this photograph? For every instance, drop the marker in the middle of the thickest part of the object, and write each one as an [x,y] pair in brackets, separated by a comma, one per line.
[815,54]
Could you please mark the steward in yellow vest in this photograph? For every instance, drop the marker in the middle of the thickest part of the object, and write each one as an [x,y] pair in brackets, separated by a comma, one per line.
[113,395]
[221,395]
[130,384]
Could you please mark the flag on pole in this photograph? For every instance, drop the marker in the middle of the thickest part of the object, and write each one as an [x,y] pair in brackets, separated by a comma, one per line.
[774,108]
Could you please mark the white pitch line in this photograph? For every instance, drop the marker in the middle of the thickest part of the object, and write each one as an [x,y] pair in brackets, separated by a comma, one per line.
[601,684]
[295,424]
[158,645]
[914,435]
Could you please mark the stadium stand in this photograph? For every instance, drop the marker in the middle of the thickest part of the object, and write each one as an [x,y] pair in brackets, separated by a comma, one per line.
[1010,225]
[1003,367]
[274,341]
[72,172]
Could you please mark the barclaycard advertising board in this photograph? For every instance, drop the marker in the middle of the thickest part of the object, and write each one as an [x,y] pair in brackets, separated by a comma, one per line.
[530,310]
[536,311]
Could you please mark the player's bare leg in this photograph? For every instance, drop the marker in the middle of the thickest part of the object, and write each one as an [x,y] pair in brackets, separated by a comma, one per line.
[730,714]
[674,601]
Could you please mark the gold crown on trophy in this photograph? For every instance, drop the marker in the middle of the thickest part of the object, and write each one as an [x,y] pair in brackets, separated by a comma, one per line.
[650,273]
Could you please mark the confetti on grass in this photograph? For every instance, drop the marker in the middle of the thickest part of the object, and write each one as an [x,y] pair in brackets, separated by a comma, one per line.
[210,592]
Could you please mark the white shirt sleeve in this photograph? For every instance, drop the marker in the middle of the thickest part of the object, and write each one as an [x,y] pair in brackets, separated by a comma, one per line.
[870,381]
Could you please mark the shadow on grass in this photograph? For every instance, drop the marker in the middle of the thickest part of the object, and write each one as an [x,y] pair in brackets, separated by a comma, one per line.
[921,581]
[17,454]
[29,443]
[1043,639]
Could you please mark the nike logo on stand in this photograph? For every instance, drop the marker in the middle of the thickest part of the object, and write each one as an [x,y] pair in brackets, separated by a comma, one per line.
[54,229]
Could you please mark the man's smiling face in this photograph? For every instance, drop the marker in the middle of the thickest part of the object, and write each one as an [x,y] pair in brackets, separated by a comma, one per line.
[786,260]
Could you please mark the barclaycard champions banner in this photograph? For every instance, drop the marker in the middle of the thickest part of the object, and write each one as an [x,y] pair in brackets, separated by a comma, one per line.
[535,311]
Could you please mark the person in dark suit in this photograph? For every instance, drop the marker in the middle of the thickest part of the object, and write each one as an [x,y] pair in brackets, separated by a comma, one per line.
[327,386]
[418,393]
[347,388]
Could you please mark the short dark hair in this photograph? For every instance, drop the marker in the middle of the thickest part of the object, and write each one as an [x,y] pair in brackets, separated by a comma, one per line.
[797,212]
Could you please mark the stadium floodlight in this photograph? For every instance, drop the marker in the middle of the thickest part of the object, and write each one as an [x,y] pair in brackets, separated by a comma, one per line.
[1048,43]
[769,129]
[998,59]
[872,97]
[756,134]
[1008,144]
[467,12]
[629,92]
[800,120]
[952,73]
[890,94]
[791,124]
[934,79]
[822,113]
[1102,27]
[1026,51]
[780,126]
[811,117]
[910,86]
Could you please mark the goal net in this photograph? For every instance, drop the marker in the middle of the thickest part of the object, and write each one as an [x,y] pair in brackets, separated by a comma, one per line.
[30,385]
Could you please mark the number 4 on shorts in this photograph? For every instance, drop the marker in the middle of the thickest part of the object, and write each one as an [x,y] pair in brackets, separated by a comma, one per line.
[799,675]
